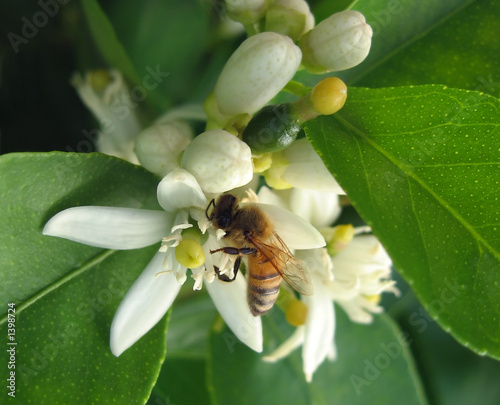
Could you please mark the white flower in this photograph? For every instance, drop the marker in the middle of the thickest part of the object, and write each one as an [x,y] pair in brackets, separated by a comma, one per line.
[300,166]
[362,271]
[352,278]
[107,96]
[151,295]
[257,71]
[319,208]
[340,42]
[219,161]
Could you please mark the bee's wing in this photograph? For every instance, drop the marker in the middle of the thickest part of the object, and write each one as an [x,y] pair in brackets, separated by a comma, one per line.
[293,270]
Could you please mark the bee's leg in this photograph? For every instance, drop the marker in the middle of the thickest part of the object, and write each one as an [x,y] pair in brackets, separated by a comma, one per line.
[232,251]
[235,251]
[223,277]
[228,250]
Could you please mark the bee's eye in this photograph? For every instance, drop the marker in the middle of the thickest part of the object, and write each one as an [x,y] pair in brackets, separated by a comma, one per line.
[224,221]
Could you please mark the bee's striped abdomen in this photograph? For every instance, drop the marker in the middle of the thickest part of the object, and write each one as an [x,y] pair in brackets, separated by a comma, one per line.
[263,286]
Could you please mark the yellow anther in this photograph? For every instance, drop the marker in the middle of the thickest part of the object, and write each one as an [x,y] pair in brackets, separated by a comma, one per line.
[337,238]
[274,173]
[262,162]
[190,254]
[375,299]
[296,313]
[99,79]
[329,95]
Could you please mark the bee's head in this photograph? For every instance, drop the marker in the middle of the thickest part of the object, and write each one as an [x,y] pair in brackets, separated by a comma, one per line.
[223,211]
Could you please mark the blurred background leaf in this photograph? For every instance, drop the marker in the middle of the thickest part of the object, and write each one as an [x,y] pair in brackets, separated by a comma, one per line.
[373,367]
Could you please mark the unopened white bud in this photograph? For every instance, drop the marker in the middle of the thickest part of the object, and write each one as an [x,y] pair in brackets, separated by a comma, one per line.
[246,11]
[340,42]
[219,161]
[159,146]
[256,72]
[290,17]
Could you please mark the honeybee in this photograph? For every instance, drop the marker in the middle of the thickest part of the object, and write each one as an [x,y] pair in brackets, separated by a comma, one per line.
[250,233]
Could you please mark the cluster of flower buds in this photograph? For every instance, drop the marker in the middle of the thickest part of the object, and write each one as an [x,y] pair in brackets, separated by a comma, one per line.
[267,61]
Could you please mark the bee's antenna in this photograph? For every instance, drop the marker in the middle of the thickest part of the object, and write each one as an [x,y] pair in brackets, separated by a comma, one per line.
[210,217]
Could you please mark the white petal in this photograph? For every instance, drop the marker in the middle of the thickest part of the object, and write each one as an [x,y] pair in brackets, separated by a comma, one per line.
[178,190]
[279,198]
[355,312]
[320,208]
[307,170]
[319,330]
[318,262]
[230,300]
[288,346]
[143,306]
[295,231]
[363,255]
[110,227]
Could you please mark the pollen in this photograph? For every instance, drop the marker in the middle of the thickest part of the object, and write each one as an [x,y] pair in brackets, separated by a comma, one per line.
[190,254]
[296,313]
[338,238]
[375,299]
[329,95]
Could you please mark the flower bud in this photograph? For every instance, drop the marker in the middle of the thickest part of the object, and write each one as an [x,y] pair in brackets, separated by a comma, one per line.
[159,146]
[246,11]
[329,95]
[218,160]
[290,17]
[260,67]
[340,42]
[272,129]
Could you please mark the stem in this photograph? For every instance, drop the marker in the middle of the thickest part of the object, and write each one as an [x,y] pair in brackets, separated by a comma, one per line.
[296,88]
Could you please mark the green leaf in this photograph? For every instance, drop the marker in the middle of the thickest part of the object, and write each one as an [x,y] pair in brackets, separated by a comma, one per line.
[373,367]
[65,293]
[452,374]
[463,52]
[190,322]
[420,164]
[181,381]
[106,40]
